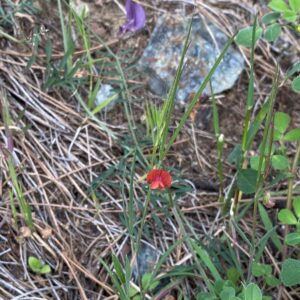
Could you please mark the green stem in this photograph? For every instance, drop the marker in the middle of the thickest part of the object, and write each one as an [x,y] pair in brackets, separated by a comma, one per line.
[62,24]
[6,35]
[260,177]
[289,195]
[178,219]
[220,144]
[142,224]
[259,181]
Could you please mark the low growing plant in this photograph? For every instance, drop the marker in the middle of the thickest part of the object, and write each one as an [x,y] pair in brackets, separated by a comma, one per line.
[37,266]
[291,217]
[283,14]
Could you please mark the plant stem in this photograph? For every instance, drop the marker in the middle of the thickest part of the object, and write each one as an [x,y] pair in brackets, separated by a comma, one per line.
[178,219]
[289,196]
[266,134]
[64,31]
[260,172]
[142,223]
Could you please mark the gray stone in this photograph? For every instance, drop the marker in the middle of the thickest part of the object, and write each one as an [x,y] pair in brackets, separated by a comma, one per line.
[145,261]
[106,93]
[161,57]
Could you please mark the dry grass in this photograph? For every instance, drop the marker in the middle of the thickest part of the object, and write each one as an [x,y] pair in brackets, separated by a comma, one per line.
[59,152]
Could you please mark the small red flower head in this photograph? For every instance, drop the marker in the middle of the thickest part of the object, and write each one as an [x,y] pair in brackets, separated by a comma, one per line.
[159,179]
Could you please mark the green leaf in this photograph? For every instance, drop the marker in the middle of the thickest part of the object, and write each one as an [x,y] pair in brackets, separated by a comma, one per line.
[272,32]
[205,258]
[285,216]
[252,292]
[227,293]
[250,92]
[259,269]
[34,263]
[280,162]
[118,268]
[290,272]
[293,70]
[132,292]
[296,84]
[37,266]
[114,279]
[218,286]
[164,257]
[233,275]
[244,36]
[127,270]
[266,150]
[292,239]
[269,226]
[281,121]
[169,104]
[295,5]
[272,281]
[146,281]
[278,5]
[256,123]
[242,234]
[296,206]
[290,16]
[277,136]
[263,242]
[254,163]
[270,17]
[246,180]
[45,269]
[293,135]
[205,296]
[153,285]
[236,155]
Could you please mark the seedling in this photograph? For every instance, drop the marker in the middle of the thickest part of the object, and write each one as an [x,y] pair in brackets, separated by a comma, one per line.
[38,266]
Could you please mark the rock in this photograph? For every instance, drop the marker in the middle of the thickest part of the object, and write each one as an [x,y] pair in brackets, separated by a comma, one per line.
[145,261]
[106,93]
[80,8]
[161,57]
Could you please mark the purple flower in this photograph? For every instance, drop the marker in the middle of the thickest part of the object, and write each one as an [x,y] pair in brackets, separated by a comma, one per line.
[136,17]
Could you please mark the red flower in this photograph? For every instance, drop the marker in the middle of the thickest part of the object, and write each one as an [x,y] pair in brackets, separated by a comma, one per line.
[159,179]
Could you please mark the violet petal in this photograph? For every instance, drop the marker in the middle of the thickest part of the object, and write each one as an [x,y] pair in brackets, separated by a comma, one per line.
[136,17]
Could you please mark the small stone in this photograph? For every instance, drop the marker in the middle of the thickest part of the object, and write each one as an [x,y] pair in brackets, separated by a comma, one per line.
[80,8]
[105,93]
[46,233]
[25,232]
[145,262]
[161,57]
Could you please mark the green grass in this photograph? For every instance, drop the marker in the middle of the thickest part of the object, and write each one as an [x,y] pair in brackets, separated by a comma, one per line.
[16,190]
[232,264]
[217,282]
[158,120]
